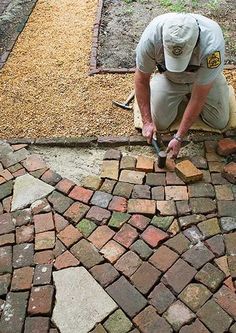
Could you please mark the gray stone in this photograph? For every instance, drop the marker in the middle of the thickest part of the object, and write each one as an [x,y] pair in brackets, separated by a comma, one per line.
[80,301]
[101,199]
[198,255]
[28,189]
[228,223]
[178,315]
[6,189]
[14,157]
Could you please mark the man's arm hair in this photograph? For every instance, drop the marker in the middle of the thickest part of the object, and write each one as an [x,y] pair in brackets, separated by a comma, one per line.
[142,91]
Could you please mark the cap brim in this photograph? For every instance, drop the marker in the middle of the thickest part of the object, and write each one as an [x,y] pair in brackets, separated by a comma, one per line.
[177,65]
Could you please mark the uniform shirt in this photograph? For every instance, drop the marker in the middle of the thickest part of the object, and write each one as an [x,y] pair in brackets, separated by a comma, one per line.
[207,59]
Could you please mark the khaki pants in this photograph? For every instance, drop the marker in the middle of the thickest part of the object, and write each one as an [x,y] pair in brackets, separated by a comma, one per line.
[169,98]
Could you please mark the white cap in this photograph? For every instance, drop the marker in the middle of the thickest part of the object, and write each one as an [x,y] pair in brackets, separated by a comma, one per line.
[180,36]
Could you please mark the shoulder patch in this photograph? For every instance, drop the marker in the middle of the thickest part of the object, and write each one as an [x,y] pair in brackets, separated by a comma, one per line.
[214,60]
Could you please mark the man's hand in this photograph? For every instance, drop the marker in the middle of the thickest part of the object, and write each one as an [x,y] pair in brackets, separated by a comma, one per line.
[148,131]
[174,147]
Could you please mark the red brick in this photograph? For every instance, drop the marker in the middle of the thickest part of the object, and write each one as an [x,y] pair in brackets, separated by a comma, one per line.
[112,251]
[142,206]
[65,260]
[230,284]
[163,258]
[166,208]
[6,224]
[7,239]
[101,236]
[139,221]
[176,192]
[44,257]
[81,194]
[43,222]
[70,235]
[105,274]
[40,301]
[65,185]
[187,171]
[34,162]
[76,211]
[145,277]
[6,174]
[42,274]
[118,204]
[7,204]
[98,215]
[126,235]
[22,278]
[37,325]
[40,206]
[210,146]
[229,172]
[226,147]
[60,222]
[144,163]
[51,177]
[25,234]
[226,298]
[128,263]
[154,236]
[45,240]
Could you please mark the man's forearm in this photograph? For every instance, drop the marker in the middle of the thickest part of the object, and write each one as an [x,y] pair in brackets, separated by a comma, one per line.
[142,92]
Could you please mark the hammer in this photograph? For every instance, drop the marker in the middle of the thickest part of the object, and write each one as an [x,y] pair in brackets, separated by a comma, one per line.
[126,103]
[158,146]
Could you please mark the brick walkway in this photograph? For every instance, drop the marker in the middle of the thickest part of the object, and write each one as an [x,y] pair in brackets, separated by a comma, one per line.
[164,251]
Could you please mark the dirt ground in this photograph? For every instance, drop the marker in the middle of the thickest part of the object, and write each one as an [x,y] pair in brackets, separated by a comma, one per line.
[123,22]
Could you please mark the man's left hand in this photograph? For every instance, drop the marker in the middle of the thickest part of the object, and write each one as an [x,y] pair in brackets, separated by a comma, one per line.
[174,147]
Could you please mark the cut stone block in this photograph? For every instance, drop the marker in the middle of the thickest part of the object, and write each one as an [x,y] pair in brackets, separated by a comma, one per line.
[142,206]
[75,286]
[110,169]
[187,171]
[229,172]
[133,177]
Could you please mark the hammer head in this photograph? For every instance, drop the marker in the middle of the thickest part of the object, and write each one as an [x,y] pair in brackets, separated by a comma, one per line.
[122,105]
[161,162]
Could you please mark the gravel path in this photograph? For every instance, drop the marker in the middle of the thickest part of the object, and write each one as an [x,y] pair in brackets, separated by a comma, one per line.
[45,88]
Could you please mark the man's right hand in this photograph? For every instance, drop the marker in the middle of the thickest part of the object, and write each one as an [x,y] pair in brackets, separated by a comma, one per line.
[148,131]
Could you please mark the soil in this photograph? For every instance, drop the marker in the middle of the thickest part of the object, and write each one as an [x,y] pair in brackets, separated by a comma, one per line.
[123,22]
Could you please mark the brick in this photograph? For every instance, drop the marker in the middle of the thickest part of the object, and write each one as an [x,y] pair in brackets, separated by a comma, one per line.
[112,154]
[154,236]
[149,321]
[6,224]
[142,249]
[44,257]
[145,277]
[76,212]
[45,240]
[229,172]
[118,204]
[230,284]
[126,296]
[233,328]
[14,157]
[133,177]
[65,185]
[7,239]
[128,163]
[65,260]
[22,279]
[86,227]
[173,179]
[215,166]
[110,169]
[101,199]
[173,317]
[105,274]
[194,296]
[179,275]
[216,245]
[198,255]
[161,298]
[123,189]
[42,274]
[213,157]
[187,221]
[158,193]
[43,222]
[98,329]
[210,146]
[216,319]
[201,190]
[178,243]
[232,266]
[226,298]
[34,162]
[23,255]
[6,203]
[60,202]
[5,281]
[230,243]
[91,182]
[155,179]
[224,192]
[37,325]
[118,219]
[101,236]
[162,222]
[81,194]
[51,177]
[163,258]
[40,206]
[176,193]
[174,228]
[210,276]
[25,234]
[144,163]
[112,251]
[108,185]
[226,146]
[187,171]
[6,174]
[199,162]
[139,221]
[202,205]
[206,177]
[141,206]
[86,253]
[128,263]
[126,236]
[40,302]
[209,227]
[60,222]
[98,215]
[6,189]
[141,192]
[169,167]
[59,248]
[193,234]
[17,303]
[217,179]
[222,263]
[196,327]
[166,208]
[118,322]
[226,208]
[183,208]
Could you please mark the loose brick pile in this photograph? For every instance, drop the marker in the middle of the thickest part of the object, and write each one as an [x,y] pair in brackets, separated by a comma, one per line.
[163,250]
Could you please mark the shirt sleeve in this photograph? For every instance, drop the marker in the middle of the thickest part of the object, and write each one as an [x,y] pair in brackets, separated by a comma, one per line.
[211,67]
[145,56]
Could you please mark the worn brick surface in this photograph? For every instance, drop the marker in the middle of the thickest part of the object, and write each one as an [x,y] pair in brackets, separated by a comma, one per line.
[118,219]
[178,243]
[40,206]
[161,298]
[76,211]
[166,208]
[45,240]
[65,185]
[196,327]
[228,224]
[209,227]
[59,248]
[139,221]
[215,166]
[186,221]
[101,199]
[173,317]
[6,224]
[112,251]
[201,190]
[123,189]
[40,301]
[128,263]
[105,274]
[118,204]
[144,163]
[22,279]
[60,222]
[199,162]
[154,236]
[183,207]
[210,276]
[224,192]
[101,236]
[51,177]
[86,253]
[145,277]
[230,243]
[6,189]
[65,260]
[5,281]
[133,177]
[7,239]
[42,274]
[173,179]
[232,266]
[226,208]
[194,296]
[34,162]
[142,249]
[91,182]
[23,255]
[60,202]
[202,205]
[162,222]
[187,171]
[44,257]
[43,222]
[98,215]
[118,322]
[112,154]
[216,245]
[229,172]
[81,194]
[163,258]
[226,298]
[158,193]
[226,146]
[37,325]
[128,163]
[69,236]
[155,179]
[107,186]
[176,193]
[126,235]
[86,227]
[141,192]
[25,234]
[198,255]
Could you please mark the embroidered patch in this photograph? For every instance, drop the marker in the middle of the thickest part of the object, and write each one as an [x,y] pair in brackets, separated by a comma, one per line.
[214,60]
[177,50]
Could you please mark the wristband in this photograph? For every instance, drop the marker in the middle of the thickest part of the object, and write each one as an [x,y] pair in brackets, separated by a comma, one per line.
[178,138]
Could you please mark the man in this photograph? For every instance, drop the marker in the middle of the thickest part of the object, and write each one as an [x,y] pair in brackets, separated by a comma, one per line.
[188,50]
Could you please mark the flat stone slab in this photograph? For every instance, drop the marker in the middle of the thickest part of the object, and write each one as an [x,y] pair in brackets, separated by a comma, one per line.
[80,301]
[27,190]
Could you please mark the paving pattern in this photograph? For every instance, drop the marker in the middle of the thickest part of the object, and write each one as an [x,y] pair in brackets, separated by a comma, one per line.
[135,250]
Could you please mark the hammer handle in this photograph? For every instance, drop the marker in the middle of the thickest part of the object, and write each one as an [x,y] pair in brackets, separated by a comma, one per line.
[155,145]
